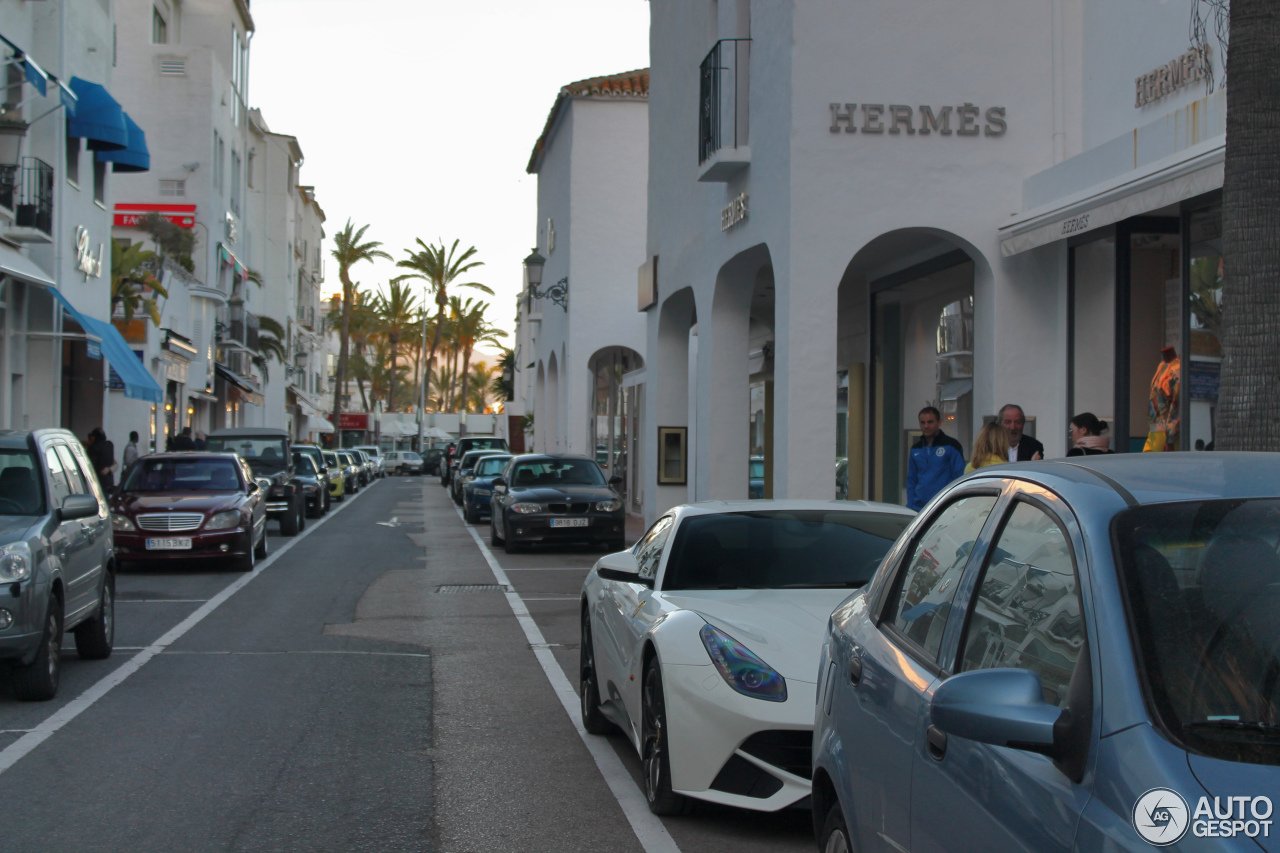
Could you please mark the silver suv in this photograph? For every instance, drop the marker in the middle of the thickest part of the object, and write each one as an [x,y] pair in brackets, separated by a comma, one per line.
[57,562]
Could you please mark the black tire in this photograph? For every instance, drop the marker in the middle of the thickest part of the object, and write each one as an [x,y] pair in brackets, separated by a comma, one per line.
[302,512]
[835,833]
[494,539]
[96,637]
[289,521]
[654,749]
[593,720]
[342,497]
[38,680]
[261,549]
[327,501]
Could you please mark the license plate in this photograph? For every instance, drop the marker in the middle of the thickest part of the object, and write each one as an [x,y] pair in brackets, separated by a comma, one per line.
[569,522]
[168,544]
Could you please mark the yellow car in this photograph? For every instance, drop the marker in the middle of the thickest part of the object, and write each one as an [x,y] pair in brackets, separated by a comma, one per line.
[337,476]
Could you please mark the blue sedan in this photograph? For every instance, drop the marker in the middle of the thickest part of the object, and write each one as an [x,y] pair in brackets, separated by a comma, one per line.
[1063,656]
[477,487]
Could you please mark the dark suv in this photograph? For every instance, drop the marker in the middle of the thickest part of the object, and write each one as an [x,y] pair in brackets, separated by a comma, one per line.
[57,562]
[271,459]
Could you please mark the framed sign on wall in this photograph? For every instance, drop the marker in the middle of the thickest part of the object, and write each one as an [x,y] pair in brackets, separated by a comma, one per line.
[673,456]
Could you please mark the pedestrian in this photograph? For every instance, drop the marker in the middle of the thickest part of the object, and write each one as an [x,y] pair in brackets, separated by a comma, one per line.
[201,444]
[991,447]
[1022,448]
[183,441]
[102,455]
[131,449]
[1087,437]
[936,459]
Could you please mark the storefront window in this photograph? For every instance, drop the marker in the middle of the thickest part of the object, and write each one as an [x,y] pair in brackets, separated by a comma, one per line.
[1205,309]
[1093,358]
[1155,336]
[610,422]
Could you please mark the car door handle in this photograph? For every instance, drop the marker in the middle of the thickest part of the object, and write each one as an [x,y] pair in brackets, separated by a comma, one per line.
[937,743]
[855,669]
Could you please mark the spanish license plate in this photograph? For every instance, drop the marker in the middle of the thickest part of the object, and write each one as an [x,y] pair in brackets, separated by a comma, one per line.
[168,544]
[569,522]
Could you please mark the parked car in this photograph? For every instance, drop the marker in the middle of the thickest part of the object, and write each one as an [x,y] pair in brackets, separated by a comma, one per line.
[337,475]
[555,498]
[755,477]
[318,457]
[463,470]
[699,642]
[374,453]
[352,468]
[57,561]
[472,442]
[190,507]
[315,483]
[431,460]
[477,488]
[364,465]
[270,458]
[1062,657]
[403,462]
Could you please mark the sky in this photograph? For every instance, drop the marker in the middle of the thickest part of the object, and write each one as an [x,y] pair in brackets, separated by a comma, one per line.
[417,117]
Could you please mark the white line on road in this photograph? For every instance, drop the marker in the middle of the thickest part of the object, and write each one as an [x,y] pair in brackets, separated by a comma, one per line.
[15,751]
[583,569]
[161,600]
[649,830]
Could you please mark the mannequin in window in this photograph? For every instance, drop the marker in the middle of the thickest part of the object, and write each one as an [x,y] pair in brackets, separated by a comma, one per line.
[1162,406]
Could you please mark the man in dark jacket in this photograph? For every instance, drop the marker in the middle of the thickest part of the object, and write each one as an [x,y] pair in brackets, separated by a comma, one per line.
[183,441]
[1022,448]
[936,460]
[102,455]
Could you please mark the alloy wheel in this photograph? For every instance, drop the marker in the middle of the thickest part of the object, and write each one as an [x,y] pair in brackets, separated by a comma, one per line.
[836,843]
[54,628]
[653,740]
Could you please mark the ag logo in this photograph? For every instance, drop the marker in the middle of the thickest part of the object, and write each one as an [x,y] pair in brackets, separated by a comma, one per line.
[940,452]
[1160,816]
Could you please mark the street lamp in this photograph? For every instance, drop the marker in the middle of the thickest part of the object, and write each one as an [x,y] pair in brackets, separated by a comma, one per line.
[557,293]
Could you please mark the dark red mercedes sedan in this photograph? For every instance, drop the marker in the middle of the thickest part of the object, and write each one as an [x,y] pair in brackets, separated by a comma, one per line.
[190,507]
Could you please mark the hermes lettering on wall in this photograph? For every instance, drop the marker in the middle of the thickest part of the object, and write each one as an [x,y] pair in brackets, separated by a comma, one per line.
[1167,79]
[85,261]
[901,118]
[734,212]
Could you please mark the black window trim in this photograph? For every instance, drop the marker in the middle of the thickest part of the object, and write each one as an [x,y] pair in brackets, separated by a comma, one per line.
[891,588]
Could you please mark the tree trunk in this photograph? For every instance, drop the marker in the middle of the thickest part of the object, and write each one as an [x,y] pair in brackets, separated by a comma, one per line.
[1249,401]
[343,347]
[435,343]
[394,340]
[466,363]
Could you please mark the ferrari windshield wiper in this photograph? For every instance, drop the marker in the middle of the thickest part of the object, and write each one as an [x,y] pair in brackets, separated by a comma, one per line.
[1237,726]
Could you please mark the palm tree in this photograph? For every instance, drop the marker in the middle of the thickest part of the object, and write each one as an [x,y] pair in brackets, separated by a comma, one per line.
[129,275]
[349,251]
[396,314]
[473,330]
[505,383]
[271,345]
[440,268]
[483,382]
[1248,404]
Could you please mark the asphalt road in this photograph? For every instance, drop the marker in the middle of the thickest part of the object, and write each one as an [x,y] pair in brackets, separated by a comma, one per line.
[362,690]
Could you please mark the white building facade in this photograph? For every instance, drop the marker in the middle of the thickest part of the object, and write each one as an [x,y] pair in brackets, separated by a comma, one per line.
[579,361]
[856,211]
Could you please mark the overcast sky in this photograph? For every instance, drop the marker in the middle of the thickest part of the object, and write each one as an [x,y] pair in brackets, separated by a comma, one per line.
[417,117]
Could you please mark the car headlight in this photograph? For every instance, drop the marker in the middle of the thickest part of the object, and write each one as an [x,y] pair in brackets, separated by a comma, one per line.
[15,562]
[741,669]
[481,493]
[608,506]
[121,523]
[223,520]
[526,509]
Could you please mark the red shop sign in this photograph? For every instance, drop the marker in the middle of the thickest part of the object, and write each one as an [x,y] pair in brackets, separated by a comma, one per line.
[349,420]
[130,215]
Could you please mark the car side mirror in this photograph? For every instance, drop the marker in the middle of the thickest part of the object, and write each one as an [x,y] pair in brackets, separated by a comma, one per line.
[621,566]
[615,480]
[498,481]
[1002,707]
[252,487]
[78,506]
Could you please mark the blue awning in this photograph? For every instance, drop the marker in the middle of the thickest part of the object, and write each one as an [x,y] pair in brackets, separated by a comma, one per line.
[135,157]
[138,383]
[99,119]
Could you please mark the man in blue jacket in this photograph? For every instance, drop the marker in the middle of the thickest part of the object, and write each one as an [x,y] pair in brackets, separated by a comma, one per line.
[936,460]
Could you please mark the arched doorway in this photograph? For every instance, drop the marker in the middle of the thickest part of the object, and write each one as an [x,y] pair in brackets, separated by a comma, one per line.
[612,430]
[551,412]
[667,407]
[539,410]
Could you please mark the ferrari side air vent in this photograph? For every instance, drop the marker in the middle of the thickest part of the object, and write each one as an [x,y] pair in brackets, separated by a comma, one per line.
[741,777]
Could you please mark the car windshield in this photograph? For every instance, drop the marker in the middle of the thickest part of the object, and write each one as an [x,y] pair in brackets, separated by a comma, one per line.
[491,466]
[304,465]
[780,549]
[410,457]
[757,469]
[182,475]
[1202,587]
[557,472]
[331,460]
[262,454]
[470,459]
[20,484]
[486,444]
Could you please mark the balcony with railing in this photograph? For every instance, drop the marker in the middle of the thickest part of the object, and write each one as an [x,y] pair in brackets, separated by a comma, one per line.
[723,106]
[238,329]
[307,316]
[26,189]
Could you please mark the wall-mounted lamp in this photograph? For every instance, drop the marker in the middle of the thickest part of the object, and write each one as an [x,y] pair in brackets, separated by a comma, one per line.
[557,293]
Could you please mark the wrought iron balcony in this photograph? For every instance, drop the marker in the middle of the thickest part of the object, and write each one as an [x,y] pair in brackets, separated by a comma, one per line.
[723,110]
[27,190]
[241,327]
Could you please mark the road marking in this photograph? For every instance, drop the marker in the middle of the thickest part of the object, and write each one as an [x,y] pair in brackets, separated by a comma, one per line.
[392,523]
[649,830]
[161,601]
[583,569]
[15,751]
[171,652]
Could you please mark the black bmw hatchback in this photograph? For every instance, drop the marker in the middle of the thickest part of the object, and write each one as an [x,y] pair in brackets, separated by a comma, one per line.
[556,499]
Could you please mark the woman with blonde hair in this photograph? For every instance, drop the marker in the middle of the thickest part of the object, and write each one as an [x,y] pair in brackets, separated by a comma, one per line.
[991,447]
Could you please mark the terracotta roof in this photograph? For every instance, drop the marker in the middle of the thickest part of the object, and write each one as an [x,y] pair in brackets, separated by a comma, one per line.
[628,84]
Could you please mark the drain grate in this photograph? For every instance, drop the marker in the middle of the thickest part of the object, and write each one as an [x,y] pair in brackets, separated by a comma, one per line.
[459,588]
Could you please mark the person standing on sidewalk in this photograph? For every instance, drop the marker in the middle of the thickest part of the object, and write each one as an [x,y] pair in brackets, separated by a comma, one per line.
[102,454]
[131,449]
[936,459]
[1022,448]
